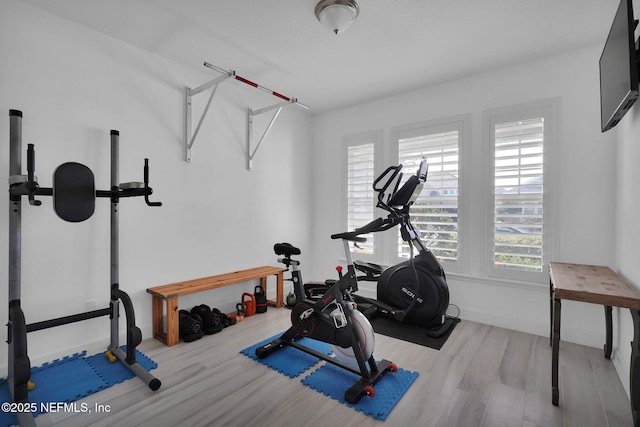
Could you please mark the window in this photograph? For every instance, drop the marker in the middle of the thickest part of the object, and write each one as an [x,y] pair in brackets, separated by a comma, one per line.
[520,138]
[518,193]
[484,210]
[435,211]
[360,174]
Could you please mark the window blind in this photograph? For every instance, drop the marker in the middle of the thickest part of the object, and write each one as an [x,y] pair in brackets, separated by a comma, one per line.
[435,212]
[518,193]
[360,177]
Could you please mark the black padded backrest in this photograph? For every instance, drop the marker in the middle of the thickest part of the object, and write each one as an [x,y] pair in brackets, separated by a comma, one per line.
[74,192]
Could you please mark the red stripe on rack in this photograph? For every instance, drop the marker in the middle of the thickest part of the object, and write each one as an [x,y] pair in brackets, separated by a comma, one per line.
[279,95]
[249,82]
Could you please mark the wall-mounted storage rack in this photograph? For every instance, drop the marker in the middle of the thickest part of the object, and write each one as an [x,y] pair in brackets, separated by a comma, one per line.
[190,136]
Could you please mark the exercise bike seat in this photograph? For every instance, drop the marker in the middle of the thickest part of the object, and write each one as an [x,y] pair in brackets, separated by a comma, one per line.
[74,192]
[286,249]
[371,270]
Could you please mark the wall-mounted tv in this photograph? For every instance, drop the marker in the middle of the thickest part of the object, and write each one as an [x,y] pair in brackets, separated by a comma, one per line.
[619,68]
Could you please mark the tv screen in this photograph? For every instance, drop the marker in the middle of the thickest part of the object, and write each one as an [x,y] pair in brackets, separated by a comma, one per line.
[618,68]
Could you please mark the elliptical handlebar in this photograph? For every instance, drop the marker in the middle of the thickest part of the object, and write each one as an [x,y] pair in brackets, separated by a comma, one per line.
[366,229]
[378,224]
[396,176]
[397,204]
[400,199]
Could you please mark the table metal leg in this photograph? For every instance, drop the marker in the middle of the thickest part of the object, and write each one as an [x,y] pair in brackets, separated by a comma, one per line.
[634,380]
[609,326]
[550,312]
[555,352]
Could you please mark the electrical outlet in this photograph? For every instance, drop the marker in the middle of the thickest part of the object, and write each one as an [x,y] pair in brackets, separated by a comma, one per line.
[90,305]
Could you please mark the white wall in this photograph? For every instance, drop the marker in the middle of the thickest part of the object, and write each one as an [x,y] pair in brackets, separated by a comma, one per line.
[627,227]
[581,196]
[74,85]
[627,233]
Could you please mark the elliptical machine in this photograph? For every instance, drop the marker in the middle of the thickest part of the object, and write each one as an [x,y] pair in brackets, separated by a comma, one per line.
[333,319]
[415,291]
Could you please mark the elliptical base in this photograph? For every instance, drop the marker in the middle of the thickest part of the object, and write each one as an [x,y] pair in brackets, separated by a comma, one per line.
[438,331]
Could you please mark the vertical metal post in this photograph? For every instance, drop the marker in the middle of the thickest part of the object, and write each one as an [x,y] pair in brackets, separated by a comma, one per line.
[127,359]
[15,205]
[188,142]
[19,366]
[115,262]
[15,215]
[249,139]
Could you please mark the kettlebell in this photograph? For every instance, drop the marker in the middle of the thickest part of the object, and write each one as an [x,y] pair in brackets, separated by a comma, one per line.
[261,299]
[241,309]
[249,302]
[291,299]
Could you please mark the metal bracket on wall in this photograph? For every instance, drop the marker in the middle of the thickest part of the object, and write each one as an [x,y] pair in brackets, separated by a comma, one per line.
[189,93]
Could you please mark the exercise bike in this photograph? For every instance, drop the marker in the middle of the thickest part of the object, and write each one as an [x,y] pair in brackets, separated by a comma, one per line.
[333,319]
[415,291]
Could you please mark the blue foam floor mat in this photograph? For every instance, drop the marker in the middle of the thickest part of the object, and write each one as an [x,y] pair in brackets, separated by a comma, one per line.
[333,381]
[289,361]
[72,378]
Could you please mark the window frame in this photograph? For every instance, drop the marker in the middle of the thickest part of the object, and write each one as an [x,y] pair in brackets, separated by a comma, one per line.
[548,110]
[461,124]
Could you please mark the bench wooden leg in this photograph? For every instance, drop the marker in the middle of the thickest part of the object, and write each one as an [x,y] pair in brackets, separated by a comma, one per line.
[173,322]
[172,336]
[279,302]
[279,290]
[157,310]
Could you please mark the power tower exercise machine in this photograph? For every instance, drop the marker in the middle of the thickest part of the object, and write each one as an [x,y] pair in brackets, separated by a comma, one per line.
[74,195]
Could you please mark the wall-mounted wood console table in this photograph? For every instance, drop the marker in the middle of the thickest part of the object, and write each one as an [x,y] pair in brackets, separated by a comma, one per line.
[596,285]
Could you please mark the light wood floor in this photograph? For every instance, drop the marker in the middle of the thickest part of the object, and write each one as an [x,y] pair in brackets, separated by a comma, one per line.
[483,376]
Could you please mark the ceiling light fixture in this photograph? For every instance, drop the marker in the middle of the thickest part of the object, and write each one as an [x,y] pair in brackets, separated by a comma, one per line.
[337,15]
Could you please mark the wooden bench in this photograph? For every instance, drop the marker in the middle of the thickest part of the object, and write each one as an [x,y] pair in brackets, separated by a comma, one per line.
[171,292]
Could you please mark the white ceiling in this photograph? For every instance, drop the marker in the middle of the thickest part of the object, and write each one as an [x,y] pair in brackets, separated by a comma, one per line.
[394,45]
